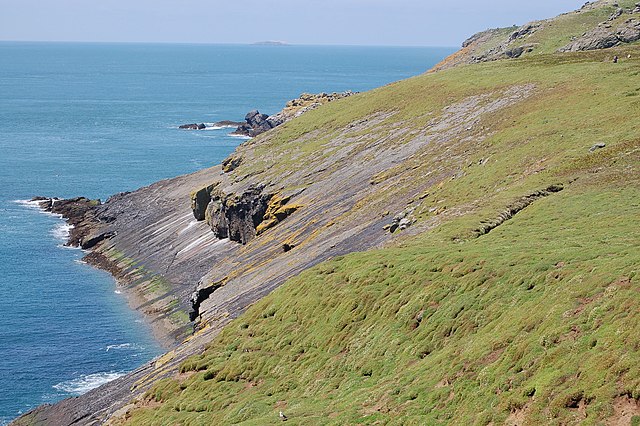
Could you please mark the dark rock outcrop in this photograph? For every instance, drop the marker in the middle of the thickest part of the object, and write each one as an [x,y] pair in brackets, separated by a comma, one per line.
[237,216]
[255,124]
[80,213]
[231,163]
[200,200]
[241,217]
[194,126]
[605,36]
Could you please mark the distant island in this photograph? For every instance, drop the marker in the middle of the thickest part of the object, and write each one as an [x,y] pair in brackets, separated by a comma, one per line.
[271,43]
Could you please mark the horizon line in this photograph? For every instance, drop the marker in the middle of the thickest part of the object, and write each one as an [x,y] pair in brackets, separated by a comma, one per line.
[256,43]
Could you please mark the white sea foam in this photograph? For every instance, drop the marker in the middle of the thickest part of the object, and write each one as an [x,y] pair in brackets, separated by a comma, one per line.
[120,346]
[86,382]
[35,205]
[61,232]
[117,292]
[212,126]
[239,136]
[28,203]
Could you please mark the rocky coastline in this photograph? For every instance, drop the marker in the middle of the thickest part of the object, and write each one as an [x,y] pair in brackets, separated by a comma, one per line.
[255,123]
[86,231]
[199,249]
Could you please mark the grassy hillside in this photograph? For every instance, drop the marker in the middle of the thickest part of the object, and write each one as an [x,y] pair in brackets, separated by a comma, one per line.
[534,322]
[545,36]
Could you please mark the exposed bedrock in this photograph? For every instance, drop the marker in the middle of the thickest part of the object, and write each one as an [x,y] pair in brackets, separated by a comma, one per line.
[241,217]
[80,213]
[606,35]
[515,208]
[255,123]
[237,216]
[269,220]
[200,199]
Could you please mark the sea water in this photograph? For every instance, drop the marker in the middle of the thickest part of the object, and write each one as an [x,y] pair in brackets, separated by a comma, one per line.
[97,119]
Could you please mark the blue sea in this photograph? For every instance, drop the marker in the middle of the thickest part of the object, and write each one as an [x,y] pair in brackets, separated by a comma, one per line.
[96,119]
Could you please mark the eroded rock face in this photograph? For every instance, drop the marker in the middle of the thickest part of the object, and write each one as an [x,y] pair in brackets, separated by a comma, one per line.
[200,200]
[241,217]
[237,216]
[605,36]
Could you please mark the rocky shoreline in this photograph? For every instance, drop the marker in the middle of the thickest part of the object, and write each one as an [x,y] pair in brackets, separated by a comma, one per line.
[200,249]
[255,123]
[86,232]
[210,244]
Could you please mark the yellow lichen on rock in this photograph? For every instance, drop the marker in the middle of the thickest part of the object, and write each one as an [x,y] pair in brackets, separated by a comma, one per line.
[277,211]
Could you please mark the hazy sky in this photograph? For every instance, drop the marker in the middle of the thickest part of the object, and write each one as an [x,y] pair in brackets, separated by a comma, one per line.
[366,22]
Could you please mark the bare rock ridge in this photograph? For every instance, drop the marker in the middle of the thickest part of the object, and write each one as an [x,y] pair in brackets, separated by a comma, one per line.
[515,208]
[606,35]
[256,123]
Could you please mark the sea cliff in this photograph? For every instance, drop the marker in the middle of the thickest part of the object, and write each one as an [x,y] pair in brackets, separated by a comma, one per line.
[416,254]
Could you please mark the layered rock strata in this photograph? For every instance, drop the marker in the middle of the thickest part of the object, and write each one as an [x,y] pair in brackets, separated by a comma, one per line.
[195,251]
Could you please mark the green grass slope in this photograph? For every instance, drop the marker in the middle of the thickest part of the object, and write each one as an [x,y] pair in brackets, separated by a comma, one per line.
[545,36]
[534,322]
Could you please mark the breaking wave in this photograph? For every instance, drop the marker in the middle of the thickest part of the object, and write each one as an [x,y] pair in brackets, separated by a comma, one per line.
[86,382]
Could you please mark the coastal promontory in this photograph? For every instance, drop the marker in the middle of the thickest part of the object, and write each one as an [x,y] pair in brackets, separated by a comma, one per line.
[447,249]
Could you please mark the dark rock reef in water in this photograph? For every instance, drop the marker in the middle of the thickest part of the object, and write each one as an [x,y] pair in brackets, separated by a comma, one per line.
[80,214]
[194,126]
